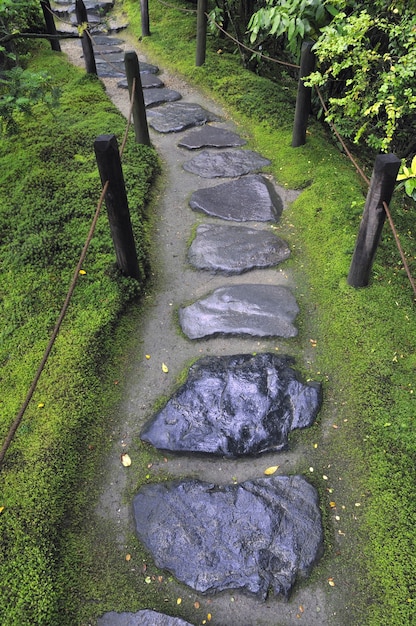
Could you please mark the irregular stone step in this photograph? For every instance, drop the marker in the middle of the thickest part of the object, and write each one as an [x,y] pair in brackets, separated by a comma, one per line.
[107,49]
[142,618]
[177,116]
[148,81]
[235,249]
[256,310]
[110,71]
[226,164]
[159,95]
[111,57]
[250,198]
[211,137]
[235,406]
[259,535]
[105,40]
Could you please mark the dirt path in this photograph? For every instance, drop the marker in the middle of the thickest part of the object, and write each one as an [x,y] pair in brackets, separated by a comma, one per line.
[312,603]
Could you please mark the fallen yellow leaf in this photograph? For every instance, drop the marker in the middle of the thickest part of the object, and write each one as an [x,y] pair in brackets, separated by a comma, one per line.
[332,505]
[147,580]
[1,509]
[196,605]
[41,405]
[128,557]
[331,582]
[165,368]
[209,617]
[179,601]
[82,272]
[125,460]
[147,356]
[271,470]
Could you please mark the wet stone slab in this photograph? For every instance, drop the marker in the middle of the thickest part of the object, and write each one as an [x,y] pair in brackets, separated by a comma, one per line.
[250,198]
[110,71]
[177,116]
[235,406]
[235,249]
[225,164]
[211,137]
[157,96]
[257,536]
[256,310]
[105,40]
[99,50]
[147,79]
[142,618]
[111,57]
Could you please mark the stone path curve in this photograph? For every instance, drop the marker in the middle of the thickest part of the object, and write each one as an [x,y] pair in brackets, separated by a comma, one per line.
[264,533]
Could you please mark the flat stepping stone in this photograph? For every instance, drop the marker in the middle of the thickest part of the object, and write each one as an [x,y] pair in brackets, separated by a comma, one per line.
[142,618]
[227,164]
[255,536]
[117,57]
[211,137]
[177,116]
[235,249]
[235,406]
[160,95]
[148,81]
[105,40]
[104,50]
[250,198]
[256,310]
[110,71]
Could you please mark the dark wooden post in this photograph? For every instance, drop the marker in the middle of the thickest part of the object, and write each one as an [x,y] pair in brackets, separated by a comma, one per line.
[109,165]
[141,129]
[303,100]
[82,18]
[382,183]
[201,32]
[50,25]
[144,12]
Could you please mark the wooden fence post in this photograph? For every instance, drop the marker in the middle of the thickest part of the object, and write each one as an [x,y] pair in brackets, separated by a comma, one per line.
[82,18]
[201,32]
[141,128]
[382,183]
[303,100]
[109,165]
[50,25]
[144,12]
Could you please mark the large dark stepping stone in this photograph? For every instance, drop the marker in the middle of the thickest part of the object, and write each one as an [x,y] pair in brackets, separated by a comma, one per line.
[259,535]
[142,618]
[115,70]
[226,164]
[250,198]
[116,58]
[176,116]
[105,40]
[256,310]
[147,79]
[235,249]
[210,137]
[234,406]
[104,50]
[154,97]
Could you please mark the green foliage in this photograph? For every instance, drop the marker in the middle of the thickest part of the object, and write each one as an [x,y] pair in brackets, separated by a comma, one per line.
[294,20]
[408,176]
[373,58]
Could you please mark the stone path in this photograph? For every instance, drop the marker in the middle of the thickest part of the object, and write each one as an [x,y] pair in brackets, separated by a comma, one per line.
[260,534]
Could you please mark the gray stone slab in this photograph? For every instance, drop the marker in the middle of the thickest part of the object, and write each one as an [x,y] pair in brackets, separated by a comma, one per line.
[159,95]
[177,116]
[235,406]
[148,81]
[211,137]
[256,310]
[142,618]
[250,198]
[104,50]
[110,71]
[235,249]
[117,58]
[225,164]
[259,535]
[105,40]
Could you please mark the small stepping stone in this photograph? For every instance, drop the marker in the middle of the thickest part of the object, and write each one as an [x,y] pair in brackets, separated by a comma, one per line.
[100,50]
[107,71]
[176,116]
[154,97]
[142,618]
[235,406]
[227,164]
[105,40]
[255,536]
[148,81]
[115,58]
[235,249]
[250,198]
[211,137]
[256,310]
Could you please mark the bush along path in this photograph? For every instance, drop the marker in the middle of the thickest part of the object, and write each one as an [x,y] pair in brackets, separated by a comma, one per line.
[229,519]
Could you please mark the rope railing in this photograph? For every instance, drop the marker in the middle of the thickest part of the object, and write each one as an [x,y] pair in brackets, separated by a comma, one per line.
[17,421]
